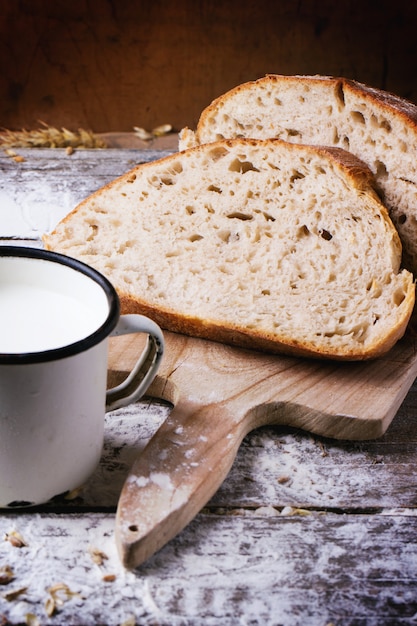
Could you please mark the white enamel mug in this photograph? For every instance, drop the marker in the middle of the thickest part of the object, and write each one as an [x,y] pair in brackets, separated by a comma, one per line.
[56,315]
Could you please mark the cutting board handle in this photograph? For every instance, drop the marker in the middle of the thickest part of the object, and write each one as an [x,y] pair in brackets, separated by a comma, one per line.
[174,477]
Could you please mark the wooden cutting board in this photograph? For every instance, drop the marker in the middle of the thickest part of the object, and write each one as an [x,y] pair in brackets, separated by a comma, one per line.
[219,394]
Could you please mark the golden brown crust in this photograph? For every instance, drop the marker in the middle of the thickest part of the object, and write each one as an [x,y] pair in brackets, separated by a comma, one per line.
[255,340]
[386,100]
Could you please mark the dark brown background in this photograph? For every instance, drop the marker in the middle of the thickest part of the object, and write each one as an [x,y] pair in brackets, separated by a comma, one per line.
[109,65]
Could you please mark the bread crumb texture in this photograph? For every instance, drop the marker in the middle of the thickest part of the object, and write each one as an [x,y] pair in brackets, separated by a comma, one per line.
[378,127]
[264,244]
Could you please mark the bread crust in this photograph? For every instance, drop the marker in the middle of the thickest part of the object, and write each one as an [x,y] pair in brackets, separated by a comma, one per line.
[254,340]
[392,103]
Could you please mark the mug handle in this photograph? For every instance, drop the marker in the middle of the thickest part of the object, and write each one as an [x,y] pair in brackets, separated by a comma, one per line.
[146,366]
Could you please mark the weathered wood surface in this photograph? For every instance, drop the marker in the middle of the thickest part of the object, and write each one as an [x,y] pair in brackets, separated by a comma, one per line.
[245,568]
[304,530]
[38,191]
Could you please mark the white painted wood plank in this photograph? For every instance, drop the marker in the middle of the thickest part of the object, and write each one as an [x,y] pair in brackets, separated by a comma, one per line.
[39,191]
[315,569]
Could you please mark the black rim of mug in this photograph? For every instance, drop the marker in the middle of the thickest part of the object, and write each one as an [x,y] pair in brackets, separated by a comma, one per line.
[87,342]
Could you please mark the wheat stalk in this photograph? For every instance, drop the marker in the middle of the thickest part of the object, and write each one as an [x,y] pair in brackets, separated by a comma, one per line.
[50,137]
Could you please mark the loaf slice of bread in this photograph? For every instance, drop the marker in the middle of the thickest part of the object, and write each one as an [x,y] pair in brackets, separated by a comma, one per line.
[262,244]
[378,127]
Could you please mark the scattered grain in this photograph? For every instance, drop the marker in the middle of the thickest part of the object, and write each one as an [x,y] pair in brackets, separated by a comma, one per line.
[50,606]
[98,556]
[11,596]
[16,539]
[291,510]
[109,578]
[147,135]
[162,130]
[6,575]
[73,494]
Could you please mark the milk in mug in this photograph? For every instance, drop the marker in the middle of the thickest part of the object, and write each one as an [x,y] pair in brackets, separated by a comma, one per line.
[34,319]
[40,311]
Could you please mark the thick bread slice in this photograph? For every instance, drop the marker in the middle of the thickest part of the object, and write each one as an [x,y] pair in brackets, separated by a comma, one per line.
[262,244]
[376,126]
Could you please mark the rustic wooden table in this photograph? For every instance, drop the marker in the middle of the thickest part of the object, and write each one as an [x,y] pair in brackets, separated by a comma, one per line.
[305,530]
